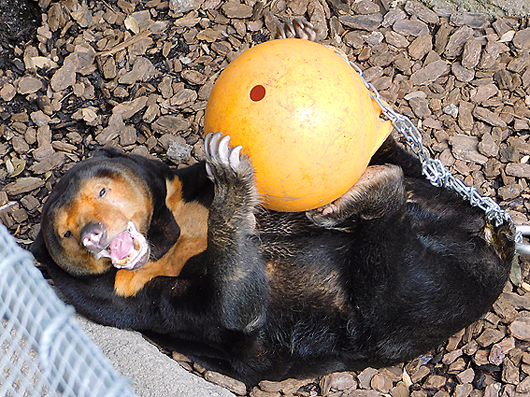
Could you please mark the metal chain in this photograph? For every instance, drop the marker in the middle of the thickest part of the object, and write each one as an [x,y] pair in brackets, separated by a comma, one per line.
[436,172]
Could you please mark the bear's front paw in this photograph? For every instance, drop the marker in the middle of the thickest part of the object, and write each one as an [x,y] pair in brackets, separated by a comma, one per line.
[223,162]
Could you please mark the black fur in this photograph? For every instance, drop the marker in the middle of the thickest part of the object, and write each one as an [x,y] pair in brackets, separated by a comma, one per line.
[287,298]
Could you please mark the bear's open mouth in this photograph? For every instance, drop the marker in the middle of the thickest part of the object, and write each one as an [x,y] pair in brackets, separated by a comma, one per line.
[127,250]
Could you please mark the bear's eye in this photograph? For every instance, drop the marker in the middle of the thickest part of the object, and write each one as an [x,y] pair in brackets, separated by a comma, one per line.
[67,234]
[102,192]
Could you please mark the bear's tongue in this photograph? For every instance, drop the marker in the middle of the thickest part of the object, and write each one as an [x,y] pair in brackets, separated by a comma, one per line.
[121,246]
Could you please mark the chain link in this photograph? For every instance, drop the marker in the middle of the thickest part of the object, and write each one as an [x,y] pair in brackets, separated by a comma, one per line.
[434,170]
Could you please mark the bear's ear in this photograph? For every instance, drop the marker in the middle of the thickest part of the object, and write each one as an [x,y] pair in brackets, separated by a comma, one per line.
[109,152]
[40,251]
[146,167]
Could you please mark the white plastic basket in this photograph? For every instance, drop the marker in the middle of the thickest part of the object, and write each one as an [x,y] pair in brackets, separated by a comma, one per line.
[44,351]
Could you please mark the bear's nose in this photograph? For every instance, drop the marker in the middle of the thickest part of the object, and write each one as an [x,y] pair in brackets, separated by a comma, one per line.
[94,236]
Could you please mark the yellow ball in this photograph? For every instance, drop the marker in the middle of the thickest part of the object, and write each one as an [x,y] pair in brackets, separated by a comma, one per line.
[303,116]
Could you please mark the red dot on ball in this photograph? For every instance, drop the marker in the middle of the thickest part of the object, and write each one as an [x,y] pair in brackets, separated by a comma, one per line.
[257,93]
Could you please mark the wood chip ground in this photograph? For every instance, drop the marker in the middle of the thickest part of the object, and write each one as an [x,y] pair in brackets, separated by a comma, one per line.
[137,74]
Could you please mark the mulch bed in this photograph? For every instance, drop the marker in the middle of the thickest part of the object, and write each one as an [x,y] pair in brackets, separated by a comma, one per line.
[137,75]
